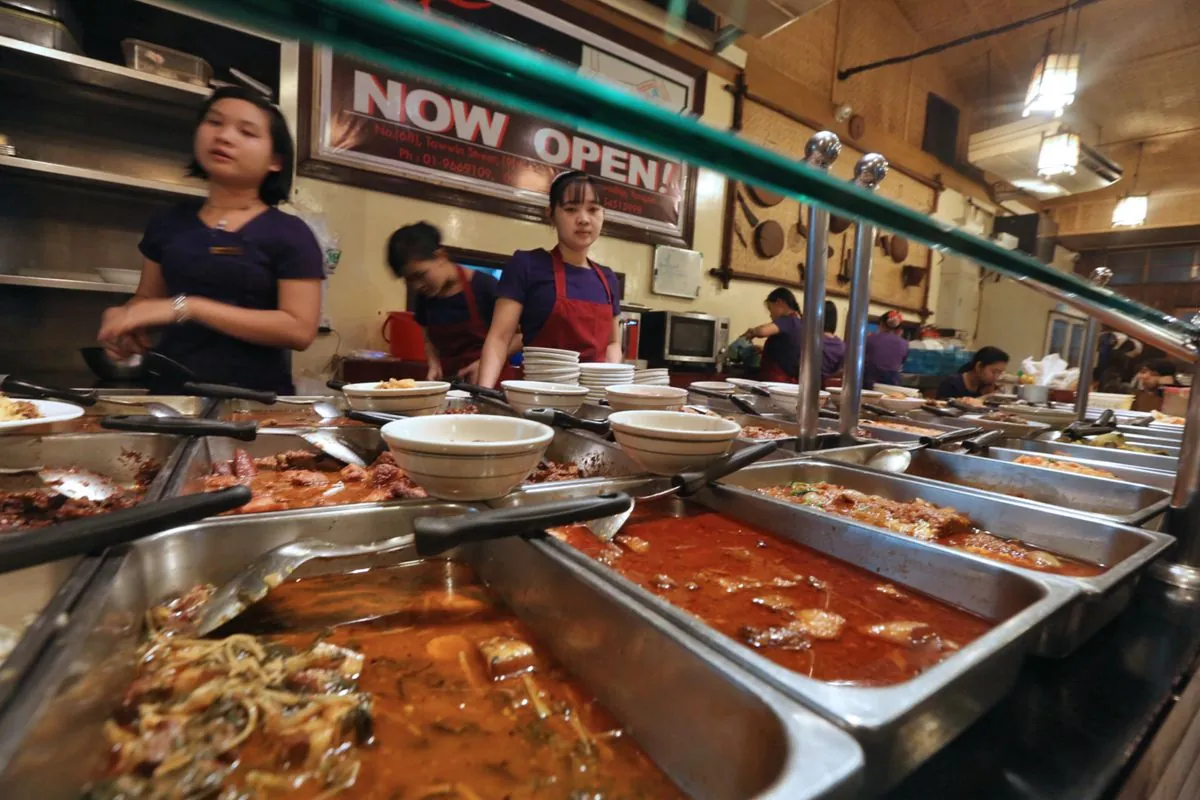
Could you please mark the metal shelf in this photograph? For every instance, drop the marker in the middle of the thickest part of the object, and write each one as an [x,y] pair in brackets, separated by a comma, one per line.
[23,58]
[98,178]
[65,283]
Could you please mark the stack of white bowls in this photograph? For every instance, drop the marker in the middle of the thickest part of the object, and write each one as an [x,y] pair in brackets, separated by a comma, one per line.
[652,377]
[598,377]
[551,365]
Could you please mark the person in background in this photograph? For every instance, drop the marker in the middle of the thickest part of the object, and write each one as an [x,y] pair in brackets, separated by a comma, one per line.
[559,298]
[977,377]
[233,282]
[781,351]
[886,350]
[1152,378]
[452,305]
[833,349]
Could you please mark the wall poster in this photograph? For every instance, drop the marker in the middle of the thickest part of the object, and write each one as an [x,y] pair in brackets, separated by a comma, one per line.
[405,135]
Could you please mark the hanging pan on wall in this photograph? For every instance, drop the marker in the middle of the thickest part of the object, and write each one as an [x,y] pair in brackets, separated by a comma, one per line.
[768,234]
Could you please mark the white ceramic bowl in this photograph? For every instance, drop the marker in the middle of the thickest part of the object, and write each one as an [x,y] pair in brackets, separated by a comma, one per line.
[467,456]
[670,442]
[644,397]
[888,388]
[524,395]
[714,386]
[424,397]
[123,277]
[784,396]
[901,404]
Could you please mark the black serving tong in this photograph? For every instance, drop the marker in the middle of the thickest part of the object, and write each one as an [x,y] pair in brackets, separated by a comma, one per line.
[879,411]
[92,534]
[980,443]
[737,402]
[478,391]
[557,418]
[16,387]
[184,381]
[938,411]
[181,426]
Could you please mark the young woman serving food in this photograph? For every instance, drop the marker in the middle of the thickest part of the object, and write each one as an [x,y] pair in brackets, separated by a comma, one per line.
[559,298]
[232,282]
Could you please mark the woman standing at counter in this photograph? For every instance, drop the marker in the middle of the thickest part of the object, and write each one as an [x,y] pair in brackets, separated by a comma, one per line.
[452,305]
[559,298]
[886,350]
[234,281]
[977,377]
[781,351]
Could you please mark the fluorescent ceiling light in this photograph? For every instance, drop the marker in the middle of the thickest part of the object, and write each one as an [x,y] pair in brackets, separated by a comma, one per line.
[1130,211]
[1059,155]
[1055,81]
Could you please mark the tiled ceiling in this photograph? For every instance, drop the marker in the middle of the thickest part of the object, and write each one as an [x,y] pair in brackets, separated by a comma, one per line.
[1140,59]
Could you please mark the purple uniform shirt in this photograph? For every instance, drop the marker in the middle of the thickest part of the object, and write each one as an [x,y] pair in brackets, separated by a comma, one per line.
[452,310]
[885,354]
[240,268]
[833,355]
[528,278]
[784,347]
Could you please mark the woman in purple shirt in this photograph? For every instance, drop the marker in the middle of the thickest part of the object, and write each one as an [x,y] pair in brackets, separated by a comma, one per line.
[232,282]
[886,350]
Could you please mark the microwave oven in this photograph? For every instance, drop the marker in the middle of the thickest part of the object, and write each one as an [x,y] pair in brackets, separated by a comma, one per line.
[682,338]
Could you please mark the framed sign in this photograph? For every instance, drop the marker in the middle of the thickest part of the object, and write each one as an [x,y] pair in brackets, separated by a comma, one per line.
[397,133]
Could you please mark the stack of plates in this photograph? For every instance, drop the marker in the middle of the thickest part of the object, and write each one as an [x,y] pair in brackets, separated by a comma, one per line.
[550,365]
[597,377]
[652,377]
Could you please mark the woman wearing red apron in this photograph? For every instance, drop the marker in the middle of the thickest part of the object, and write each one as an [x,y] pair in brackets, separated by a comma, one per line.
[453,305]
[559,298]
[781,353]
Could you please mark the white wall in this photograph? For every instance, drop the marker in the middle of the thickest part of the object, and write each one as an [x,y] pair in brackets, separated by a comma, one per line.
[1014,317]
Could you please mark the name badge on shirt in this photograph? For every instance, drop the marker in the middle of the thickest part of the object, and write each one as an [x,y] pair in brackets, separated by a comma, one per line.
[228,250]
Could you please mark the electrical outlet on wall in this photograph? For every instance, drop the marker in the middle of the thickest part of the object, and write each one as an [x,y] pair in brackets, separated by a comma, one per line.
[325,324]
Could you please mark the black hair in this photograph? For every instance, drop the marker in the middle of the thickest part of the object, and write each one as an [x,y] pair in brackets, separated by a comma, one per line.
[1161,366]
[276,186]
[417,242]
[785,296]
[985,356]
[570,187]
[830,317]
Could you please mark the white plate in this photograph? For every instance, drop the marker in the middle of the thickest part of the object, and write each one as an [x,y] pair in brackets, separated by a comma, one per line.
[572,362]
[604,368]
[713,386]
[50,410]
[743,383]
[551,351]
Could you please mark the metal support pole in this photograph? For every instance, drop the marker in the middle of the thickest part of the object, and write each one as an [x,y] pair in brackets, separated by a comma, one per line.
[1087,358]
[869,172]
[820,152]
[1181,566]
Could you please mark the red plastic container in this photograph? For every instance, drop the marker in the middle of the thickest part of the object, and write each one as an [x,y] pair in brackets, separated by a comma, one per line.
[404,337]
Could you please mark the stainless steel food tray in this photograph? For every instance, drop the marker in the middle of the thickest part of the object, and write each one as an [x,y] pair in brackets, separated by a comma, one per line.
[1128,503]
[716,730]
[1143,477]
[224,409]
[597,459]
[1102,454]
[891,435]
[1018,429]
[35,601]
[1124,550]
[899,726]
[185,405]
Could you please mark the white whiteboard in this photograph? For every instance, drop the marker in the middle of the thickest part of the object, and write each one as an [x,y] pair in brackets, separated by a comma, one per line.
[677,272]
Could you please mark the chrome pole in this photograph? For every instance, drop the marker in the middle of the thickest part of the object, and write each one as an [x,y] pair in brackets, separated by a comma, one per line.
[1100,276]
[869,172]
[1181,566]
[820,152]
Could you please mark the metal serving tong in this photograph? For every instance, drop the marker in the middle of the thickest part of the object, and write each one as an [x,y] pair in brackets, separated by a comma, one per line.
[183,380]
[737,402]
[431,535]
[92,534]
[20,388]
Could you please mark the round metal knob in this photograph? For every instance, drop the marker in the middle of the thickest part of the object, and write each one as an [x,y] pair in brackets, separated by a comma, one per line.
[870,171]
[822,150]
[1101,276]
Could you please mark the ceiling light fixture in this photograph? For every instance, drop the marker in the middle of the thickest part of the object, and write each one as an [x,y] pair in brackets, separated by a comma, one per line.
[1056,77]
[1130,211]
[1059,155]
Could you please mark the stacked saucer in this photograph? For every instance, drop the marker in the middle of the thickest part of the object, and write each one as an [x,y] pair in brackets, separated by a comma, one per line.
[652,377]
[598,377]
[551,365]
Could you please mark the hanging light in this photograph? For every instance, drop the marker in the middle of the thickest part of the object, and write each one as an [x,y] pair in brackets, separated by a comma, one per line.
[1131,209]
[1055,81]
[1059,155]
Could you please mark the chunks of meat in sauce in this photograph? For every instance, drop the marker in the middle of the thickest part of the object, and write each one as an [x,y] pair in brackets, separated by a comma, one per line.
[632,543]
[353,473]
[790,637]
[820,624]
[506,656]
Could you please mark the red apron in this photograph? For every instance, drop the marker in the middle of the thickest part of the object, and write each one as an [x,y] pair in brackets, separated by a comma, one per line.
[768,370]
[459,344]
[577,324]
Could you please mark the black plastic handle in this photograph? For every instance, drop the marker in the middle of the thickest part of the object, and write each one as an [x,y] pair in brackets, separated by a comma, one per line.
[879,411]
[20,388]
[762,391]
[827,413]
[337,386]
[435,535]
[221,391]
[949,437]
[479,391]
[181,426]
[742,405]
[372,417]
[710,393]
[1107,417]
[557,418]
[1143,422]
[689,483]
[92,534]
[1080,431]
[938,411]
[983,441]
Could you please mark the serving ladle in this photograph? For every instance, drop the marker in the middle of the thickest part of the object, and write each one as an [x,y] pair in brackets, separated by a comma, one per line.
[898,459]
